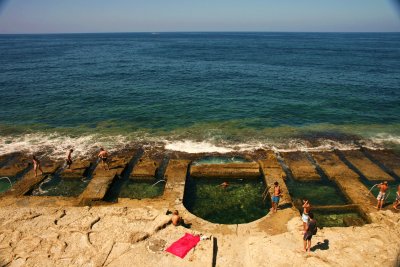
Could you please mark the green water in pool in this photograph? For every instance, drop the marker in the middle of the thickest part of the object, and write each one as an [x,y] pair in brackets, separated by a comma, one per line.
[318,193]
[240,202]
[331,219]
[140,189]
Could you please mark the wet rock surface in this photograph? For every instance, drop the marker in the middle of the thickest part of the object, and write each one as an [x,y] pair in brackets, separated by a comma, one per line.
[78,169]
[369,169]
[301,168]
[229,170]
[144,170]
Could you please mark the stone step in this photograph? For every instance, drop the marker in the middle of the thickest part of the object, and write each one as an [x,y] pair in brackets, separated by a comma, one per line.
[102,179]
[175,176]
[369,169]
[273,172]
[230,170]
[145,169]
[301,168]
[78,169]
[29,180]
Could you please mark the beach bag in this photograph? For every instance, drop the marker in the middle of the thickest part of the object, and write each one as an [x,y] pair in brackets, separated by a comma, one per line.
[315,230]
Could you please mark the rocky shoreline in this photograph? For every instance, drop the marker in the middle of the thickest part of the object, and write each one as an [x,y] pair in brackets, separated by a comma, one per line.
[89,231]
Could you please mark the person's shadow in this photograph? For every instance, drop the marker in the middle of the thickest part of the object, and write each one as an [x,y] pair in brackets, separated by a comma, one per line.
[321,246]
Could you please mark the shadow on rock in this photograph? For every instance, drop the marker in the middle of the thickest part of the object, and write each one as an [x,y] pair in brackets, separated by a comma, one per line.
[321,245]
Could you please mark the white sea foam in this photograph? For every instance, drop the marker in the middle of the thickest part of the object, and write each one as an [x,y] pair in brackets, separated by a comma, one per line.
[56,145]
[196,147]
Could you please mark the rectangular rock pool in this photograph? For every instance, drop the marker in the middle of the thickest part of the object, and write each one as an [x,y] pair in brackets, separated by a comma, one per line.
[339,218]
[319,193]
[59,186]
[135,189]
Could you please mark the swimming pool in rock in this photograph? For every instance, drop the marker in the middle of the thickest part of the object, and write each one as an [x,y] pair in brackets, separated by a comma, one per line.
[240,202]
[320,193]
[331,218]
[219,160]
[60,186]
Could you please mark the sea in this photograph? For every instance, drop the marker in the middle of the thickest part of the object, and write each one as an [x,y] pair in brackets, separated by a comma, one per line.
[199,92]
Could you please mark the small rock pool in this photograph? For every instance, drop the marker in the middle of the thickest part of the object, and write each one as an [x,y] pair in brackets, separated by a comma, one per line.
[339,218]
[240,202]
[60,186]
[219,160]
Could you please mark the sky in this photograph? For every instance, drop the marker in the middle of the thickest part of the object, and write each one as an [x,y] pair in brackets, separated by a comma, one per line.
[73,16]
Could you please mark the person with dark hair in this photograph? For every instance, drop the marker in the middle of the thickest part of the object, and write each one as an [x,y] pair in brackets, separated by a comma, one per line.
[103,156]
[311,229]
[69,158]
[382,194]
[36,165]
[276,197]
[176,219]
[304,217]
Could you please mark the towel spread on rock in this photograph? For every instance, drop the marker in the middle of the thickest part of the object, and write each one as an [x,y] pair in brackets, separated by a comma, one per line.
[182,246]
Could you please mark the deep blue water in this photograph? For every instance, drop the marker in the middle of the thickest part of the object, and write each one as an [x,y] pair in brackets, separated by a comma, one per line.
[225,87]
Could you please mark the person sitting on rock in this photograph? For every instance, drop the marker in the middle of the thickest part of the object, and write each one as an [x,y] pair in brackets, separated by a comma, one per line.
[396,203]
[382,193]
[36,165]
[176,219]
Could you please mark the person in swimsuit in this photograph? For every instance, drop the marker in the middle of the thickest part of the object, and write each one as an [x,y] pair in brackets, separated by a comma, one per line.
[397,201]
[309,232]
[69,158]
[36,165]
[305,215]
[382,194]
[103,156]
[276,197]
[176,219]
[224,185]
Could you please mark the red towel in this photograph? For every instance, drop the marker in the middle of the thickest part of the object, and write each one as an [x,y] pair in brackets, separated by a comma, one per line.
[182,246]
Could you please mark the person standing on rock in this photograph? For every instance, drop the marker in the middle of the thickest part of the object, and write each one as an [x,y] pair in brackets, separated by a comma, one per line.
[36,165]
[382,194]
[276,197]
[305,215]
[311,229]
[103,156]
[69,158]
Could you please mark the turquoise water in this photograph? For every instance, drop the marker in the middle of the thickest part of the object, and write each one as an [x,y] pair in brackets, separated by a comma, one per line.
[219,160]
[318,193]
[240,202]
[282,89]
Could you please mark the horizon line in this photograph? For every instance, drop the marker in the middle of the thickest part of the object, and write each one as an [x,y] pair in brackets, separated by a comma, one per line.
[229,31]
